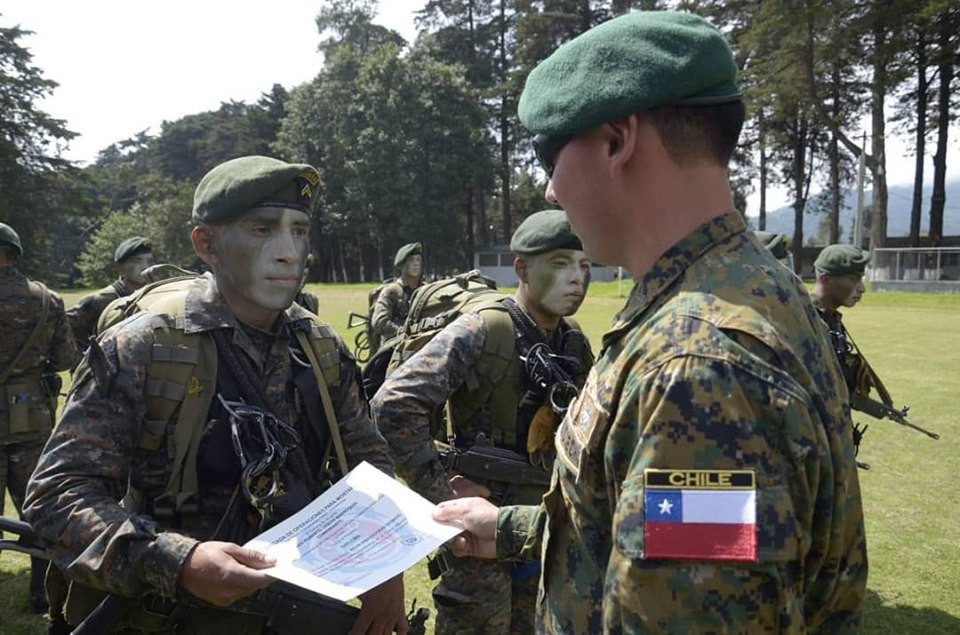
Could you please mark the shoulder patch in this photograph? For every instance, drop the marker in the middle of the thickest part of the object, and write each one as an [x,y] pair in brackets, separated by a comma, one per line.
[700,514]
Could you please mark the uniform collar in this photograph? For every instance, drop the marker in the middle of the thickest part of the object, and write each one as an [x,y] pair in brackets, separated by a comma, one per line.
[206,310]
[671,266]
[10,273]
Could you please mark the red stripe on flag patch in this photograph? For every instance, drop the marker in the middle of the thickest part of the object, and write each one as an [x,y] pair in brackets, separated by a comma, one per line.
[700,541]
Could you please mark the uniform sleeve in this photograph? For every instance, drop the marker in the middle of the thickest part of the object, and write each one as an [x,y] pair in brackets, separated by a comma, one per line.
[63,350]
[519,532]
[416,392]
[82,318]
[708,413]
[72,498]
[382,319]
[361,439]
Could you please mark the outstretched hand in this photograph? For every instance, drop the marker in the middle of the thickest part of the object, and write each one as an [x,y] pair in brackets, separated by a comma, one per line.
[223,572]
[478,519]
[381,610]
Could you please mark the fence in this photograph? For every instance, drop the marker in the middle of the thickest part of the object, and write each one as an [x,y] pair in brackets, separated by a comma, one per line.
[916,268]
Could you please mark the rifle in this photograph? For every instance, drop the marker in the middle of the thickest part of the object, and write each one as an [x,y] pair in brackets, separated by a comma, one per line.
[881,410]
[486,462]
[288,608]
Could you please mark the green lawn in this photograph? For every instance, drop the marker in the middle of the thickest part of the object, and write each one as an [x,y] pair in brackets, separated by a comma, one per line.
[910,494]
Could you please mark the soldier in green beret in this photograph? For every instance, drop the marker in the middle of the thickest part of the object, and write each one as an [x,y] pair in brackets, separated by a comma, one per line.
[132,257]
[778,245]
[486,369]
[36,344]
[677,501]
[215,410]
[393,302]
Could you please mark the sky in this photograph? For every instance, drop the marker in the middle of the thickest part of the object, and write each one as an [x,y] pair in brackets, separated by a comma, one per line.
[124,66]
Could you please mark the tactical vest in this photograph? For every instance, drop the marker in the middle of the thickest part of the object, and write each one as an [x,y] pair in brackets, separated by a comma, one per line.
[17,423]
[181,381]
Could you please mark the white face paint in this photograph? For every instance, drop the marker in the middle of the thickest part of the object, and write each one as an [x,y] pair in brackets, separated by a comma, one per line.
[259,260]
[131,269]
[557,281]
[412,266]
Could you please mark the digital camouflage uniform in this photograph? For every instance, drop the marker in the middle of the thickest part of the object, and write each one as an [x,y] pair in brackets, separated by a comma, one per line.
[28,406]
[96,450]
[84,314]
[474,596]
[390,310]
[718,361]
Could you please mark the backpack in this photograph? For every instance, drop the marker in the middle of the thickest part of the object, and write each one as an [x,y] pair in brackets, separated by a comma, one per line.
[432,307]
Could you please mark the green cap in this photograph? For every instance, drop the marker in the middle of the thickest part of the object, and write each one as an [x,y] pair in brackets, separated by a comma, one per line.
[634,62]
[131,247]
[776,244]
[544,231]
[841,260]
[240,184]
[410,249]
[9,236]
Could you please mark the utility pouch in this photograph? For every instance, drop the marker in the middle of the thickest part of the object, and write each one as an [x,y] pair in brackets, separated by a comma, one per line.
[18,408]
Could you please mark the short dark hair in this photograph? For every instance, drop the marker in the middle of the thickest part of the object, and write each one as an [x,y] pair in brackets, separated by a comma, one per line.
[692,134]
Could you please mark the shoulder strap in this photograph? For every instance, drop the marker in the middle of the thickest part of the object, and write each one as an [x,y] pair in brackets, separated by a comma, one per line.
[308,348]
[45,308]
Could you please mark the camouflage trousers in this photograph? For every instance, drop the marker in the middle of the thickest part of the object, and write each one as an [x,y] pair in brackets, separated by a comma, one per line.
[479,596]
[17,462]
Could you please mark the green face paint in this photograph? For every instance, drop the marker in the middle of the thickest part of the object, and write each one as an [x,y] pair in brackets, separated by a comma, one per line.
[412,266]
[847,290]
[260,260]
[557,280]
[131,269]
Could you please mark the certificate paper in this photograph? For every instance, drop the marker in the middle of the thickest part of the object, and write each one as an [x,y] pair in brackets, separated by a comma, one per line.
[365,529]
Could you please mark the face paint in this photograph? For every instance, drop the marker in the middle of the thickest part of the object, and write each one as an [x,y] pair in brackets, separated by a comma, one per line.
[847,290]
[259,261]
[412,266]
[557,280]
[131,269]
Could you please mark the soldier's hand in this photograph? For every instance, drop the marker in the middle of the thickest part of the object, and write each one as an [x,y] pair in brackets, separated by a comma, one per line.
[465,488]
[478,519]
[381,610]
[223,572]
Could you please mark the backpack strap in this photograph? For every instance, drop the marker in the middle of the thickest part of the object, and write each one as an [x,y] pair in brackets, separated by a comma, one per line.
[320,348]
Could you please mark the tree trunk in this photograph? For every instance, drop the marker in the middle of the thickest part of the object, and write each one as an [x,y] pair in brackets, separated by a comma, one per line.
[343,263]
[468,207]
[799,189]
[878,88]
[762,126]
[945,64]
[834,159]
[504,128]
[916,210]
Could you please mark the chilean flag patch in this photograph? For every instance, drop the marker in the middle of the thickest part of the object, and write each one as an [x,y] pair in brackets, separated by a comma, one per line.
[700,515]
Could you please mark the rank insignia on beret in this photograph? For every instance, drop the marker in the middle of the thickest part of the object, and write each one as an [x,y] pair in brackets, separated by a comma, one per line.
[700,515]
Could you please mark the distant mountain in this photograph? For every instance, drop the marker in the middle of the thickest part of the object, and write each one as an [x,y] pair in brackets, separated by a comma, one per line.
[898,212]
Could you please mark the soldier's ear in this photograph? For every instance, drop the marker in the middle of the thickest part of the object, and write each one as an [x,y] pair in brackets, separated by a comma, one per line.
[520,268]
[202,238]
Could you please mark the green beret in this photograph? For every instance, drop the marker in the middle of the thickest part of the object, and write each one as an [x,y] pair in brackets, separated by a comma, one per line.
[634,62]
[240,184]
[776,244]
[410,249]
[841,260]
[9,236]
[131,247]
[544,231]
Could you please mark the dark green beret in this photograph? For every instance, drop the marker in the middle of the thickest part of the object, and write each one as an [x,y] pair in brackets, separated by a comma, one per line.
[634,62]
[410,249]
[240,184]
[9,236]
[544,231]
[131,247]
[840,260]
[777,244]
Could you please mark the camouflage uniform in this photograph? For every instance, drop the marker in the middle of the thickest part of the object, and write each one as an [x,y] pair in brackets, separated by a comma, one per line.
[51,351]
[84,314]
[390,310]
[717,361]
[473,596]
[86,467]
[840,342]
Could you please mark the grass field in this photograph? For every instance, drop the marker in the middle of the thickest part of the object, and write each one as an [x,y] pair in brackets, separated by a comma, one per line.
[910,494]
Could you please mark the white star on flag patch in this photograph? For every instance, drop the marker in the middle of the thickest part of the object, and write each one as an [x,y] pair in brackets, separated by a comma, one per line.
[700,515]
